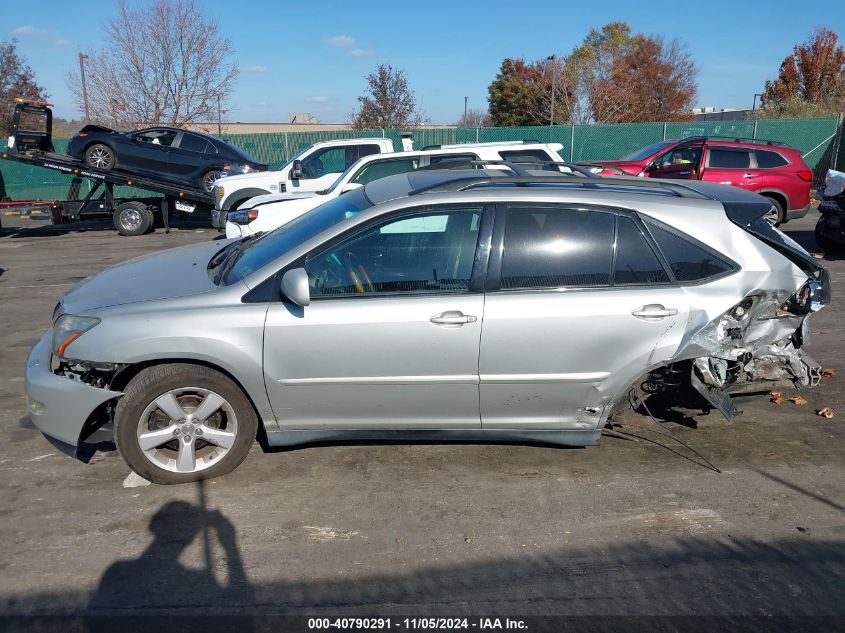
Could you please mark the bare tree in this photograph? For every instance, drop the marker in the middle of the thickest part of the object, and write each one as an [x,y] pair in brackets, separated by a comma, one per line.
[164,64]
[16,80]
[474,118]
[389,104]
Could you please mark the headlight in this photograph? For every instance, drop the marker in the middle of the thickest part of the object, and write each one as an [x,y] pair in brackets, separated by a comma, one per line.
[242,216]
[810,296]
[68,328]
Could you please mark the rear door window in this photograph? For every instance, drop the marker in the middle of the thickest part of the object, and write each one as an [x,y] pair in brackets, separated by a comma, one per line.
[728,157]
[354,152]
[689,260]
[635,262]
[193,143]
[767,159]
[556,247]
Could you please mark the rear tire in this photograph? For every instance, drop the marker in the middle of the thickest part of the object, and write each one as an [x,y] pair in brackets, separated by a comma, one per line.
[99,156]
[777,216]
[133,218]
[139,418]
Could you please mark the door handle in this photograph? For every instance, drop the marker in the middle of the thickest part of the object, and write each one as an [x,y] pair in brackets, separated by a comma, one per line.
[453,318]
[653,311]
[684,173]
[749,175]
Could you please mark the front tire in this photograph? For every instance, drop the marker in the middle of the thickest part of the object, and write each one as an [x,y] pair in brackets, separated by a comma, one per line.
[208,178]
[181,423]
[99,156]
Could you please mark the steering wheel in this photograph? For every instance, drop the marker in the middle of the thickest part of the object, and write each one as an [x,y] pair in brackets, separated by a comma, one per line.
[357,273]
[340,273]
[313,168]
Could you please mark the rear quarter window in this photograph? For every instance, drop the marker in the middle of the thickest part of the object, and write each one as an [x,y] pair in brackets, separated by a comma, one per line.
[689,260]
[767,159]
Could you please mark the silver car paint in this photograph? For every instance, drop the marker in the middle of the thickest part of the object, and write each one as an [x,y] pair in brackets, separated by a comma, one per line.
[183,316]
[374,362]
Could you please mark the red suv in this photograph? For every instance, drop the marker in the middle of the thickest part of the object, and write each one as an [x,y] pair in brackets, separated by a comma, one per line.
[765,167]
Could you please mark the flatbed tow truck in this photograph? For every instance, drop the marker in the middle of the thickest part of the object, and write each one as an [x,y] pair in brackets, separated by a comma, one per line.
[31,142]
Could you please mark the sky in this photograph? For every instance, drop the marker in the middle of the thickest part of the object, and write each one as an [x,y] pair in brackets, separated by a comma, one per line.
[314,55]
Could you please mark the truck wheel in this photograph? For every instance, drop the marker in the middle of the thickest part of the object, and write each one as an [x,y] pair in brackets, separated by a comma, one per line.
[99,156]
[180,423]
[133,218]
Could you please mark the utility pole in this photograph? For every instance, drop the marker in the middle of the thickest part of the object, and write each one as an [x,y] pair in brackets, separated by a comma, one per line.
[219,123]
[552,59]
[82,58]
[465,109]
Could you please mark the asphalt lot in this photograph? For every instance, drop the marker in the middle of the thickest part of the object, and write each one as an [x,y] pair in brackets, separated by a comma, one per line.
[639,525]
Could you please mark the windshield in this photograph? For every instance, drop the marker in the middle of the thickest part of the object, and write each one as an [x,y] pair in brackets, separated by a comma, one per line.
[263,250]
[645,152]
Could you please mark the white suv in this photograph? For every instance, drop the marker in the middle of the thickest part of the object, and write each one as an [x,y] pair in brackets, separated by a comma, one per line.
[313,169]
[265,213]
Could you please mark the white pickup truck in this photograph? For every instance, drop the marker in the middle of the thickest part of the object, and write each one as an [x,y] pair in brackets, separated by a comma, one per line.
[313,169]
[265,213]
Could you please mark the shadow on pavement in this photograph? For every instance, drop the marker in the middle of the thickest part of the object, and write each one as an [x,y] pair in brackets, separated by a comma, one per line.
[729,577]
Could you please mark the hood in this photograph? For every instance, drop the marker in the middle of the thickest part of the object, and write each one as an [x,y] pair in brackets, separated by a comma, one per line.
[279,197]
[632,167]
[255,178]
[178,272]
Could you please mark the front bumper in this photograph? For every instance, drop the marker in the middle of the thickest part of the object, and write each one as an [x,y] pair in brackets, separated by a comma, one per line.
[218,218]
[59,406]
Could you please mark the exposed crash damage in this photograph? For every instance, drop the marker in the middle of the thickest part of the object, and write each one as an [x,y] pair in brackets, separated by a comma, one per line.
[756,345]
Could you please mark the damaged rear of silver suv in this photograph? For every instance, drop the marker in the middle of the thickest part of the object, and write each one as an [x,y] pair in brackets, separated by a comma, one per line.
[758,344]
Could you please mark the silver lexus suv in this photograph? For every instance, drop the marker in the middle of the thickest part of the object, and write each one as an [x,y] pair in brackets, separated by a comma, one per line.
[446,305]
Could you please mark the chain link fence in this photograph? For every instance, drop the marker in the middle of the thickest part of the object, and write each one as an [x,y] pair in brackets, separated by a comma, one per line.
[819,139]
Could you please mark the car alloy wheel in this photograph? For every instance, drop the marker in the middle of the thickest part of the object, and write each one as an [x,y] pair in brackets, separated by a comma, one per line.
[100,157]
[187,430]
[208,180]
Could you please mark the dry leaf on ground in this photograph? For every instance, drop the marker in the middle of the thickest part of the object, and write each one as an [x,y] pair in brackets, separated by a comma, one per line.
[827,372]
[776,397]
[798,400]
[827,412]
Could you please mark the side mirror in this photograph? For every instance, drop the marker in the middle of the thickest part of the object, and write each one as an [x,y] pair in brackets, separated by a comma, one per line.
[295,286]
[296,170]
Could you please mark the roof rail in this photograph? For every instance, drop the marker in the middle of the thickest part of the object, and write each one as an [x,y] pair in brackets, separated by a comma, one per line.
[518,168]
[599,183]
[486,143]
[736,139]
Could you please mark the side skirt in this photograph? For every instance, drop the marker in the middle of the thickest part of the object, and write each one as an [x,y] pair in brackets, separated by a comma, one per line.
[564,437]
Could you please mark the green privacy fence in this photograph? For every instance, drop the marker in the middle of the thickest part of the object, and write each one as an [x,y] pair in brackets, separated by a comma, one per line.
[817,138]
